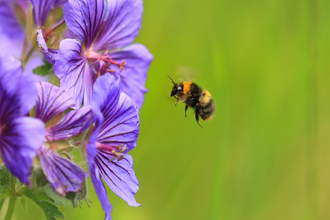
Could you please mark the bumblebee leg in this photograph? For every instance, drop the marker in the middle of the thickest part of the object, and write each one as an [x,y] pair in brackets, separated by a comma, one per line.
[185,110]
[197,119]
[177,100]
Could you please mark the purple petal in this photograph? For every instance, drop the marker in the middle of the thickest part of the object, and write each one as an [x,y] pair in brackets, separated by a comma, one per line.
[60,3]
[84,18]
[119,175]
[10,66]
[10,46]
[17,92]
[106,94]
[121,124]
[71,125]
[50,54]
[69,34]
[75,75]
[63,175]
[51,101]
[41,10]
[133,77]
[19,141]
[121,25]
[91,148]
[9,24]
[101,192]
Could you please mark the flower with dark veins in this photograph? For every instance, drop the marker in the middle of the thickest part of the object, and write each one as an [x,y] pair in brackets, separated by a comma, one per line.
[20,136]
[63,175]
[17,31]
[15,13]
[106,33]
[114,135]
[42,9]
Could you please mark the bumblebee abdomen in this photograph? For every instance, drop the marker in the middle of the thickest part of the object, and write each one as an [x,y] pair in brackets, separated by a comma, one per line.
[206,98]
[206,109]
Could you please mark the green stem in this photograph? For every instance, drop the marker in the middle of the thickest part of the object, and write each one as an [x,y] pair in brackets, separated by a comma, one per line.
[11,207]
[12,199]
[12,185]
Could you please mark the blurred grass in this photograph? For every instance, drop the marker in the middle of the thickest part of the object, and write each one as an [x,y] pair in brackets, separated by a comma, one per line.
[265,155]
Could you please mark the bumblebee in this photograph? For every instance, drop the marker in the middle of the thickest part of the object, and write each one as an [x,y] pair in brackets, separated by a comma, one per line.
[195,97]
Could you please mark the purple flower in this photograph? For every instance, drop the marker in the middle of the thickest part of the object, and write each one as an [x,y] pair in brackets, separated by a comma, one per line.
[20,136]
[10,25]
[115,133]
[42,8]
[15,27]
[41,11]
[15,15]
[12,32]
[105,34]
[62,174]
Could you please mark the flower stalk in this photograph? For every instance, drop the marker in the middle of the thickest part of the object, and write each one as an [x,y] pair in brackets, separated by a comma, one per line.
[12,200]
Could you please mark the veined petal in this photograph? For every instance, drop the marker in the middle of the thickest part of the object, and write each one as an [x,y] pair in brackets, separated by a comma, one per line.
[121,26]
[63,175]
[51,101]
[84,18]
[106,92]
[133,77]
[41,10]
[91,148]
[75,75]
[19,141]
[17,91]
[106,95]
[71,125]
[119,175]
[101,192]
[49,54]
[120,124]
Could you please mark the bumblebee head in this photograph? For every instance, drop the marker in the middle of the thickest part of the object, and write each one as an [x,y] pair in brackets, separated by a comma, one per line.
[175,88]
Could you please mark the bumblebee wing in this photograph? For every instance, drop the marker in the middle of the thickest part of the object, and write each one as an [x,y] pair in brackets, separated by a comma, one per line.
[187,74]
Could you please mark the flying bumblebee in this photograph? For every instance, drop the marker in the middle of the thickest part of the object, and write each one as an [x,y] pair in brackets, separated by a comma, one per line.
[194,97]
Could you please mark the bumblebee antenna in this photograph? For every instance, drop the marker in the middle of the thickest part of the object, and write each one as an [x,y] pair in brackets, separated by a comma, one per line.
[172,80]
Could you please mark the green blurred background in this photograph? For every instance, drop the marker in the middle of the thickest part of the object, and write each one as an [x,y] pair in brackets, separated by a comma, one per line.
[266,153]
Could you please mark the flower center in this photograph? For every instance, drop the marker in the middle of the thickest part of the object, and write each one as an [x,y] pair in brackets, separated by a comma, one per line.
[114,151]
[104,61]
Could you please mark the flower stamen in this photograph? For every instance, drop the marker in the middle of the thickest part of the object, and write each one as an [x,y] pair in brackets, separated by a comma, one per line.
[104,61]
[117,152]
